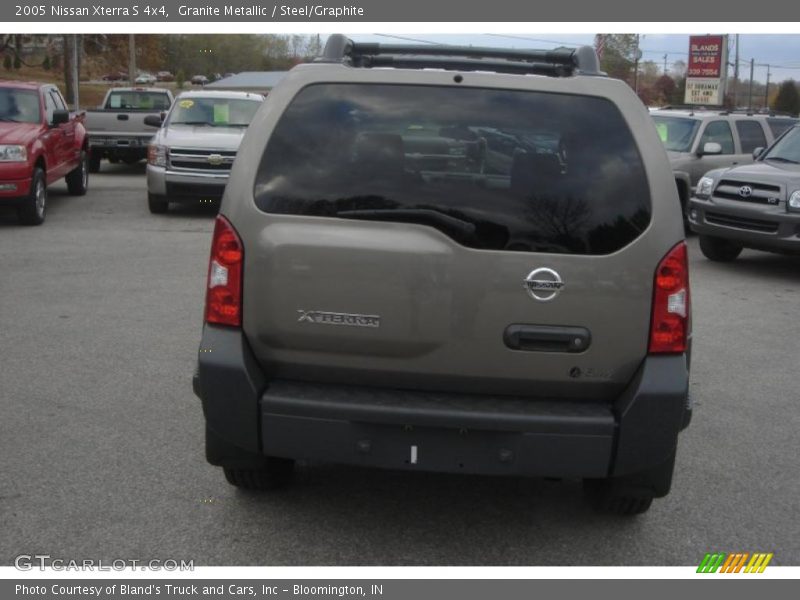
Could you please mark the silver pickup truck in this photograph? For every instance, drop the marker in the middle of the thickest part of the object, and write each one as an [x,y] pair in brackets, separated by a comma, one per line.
[117,130]
[189,160]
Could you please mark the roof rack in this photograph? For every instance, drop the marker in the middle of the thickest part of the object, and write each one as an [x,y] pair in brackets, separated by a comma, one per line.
[760,112]
[560,62]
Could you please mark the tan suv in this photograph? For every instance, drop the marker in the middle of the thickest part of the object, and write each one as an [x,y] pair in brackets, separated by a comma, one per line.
[698,141]
[450,259]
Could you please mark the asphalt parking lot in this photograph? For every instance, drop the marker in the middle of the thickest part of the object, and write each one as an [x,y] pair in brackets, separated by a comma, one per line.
[101,437]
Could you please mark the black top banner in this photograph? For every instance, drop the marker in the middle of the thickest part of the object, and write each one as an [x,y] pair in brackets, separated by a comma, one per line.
[293,11]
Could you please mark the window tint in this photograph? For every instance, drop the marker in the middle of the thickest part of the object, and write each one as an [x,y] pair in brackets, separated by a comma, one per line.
[719,132]
[493,169]
[751,135]
[778,126]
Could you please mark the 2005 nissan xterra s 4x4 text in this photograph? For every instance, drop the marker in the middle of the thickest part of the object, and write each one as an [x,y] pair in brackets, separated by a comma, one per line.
[471,260]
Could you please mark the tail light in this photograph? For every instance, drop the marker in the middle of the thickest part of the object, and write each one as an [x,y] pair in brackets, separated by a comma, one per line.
[224,294]
[670,324]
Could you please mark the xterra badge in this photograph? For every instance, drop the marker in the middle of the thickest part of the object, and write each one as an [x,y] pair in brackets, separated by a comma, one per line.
[543,284]
[334,318]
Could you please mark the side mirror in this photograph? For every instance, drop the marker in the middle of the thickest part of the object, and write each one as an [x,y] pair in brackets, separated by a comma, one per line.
[153,120]
[710,148]
[757,152]
[60,117]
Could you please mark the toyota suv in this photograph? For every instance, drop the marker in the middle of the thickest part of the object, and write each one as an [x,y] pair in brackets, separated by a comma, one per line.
[700,140]
[754,206]
[465,260]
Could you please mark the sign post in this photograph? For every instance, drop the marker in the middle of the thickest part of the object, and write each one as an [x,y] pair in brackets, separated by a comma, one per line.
[706,71]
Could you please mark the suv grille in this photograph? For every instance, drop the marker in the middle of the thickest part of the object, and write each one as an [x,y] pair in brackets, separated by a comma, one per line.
[741,222]
[204,161]
[760,193]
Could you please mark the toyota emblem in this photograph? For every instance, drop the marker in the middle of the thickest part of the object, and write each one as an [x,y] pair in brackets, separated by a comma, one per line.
[745,191]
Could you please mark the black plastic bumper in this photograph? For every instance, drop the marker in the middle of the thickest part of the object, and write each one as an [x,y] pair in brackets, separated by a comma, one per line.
[246,415]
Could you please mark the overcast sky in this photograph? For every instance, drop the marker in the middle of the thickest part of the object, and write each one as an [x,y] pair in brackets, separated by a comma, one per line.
[781,52]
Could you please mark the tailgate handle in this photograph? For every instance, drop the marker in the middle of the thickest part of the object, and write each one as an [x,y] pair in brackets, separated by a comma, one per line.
[122,117]
[547,338]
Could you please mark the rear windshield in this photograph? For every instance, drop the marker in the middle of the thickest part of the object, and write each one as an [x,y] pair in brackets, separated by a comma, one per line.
[676,133]
[135,100]
[492,169]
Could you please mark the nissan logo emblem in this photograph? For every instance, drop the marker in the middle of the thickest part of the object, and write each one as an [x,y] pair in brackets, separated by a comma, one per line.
[543,284]
[745,191]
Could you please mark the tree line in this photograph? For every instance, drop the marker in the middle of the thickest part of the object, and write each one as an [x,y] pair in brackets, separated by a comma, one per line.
[186,55]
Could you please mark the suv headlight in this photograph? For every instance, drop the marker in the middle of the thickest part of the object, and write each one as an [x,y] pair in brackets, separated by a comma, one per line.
[794,201]
[704,187]
[157,155]
[13,153]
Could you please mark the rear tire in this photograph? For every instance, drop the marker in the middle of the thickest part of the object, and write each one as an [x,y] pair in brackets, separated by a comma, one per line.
[274,474]
[33,209]
[158,205]
[719,249]
[78,178]
[630,494]
[603,497]
[94,162]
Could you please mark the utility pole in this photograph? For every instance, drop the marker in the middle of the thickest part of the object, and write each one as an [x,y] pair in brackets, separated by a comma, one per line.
[131,58]
[736,73]
[750,92]
[665,64]
[75,75]
[637,56]
[766,92]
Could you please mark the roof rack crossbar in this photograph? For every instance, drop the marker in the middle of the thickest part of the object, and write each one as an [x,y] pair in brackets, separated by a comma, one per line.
[463,64]
[558,62]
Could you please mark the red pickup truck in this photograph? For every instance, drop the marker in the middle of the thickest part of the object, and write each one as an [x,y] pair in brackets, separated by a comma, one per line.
[40,142]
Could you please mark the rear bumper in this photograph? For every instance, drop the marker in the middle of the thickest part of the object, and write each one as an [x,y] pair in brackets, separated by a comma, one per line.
[121,142]
[767,228]
[437,431]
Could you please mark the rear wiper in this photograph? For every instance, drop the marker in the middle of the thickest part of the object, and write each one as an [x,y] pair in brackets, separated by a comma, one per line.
[193,123]
[421,216]
[782,159]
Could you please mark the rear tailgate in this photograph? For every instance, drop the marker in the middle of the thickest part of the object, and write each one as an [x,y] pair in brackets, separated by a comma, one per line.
[118,123]
[403,305]
[396,227]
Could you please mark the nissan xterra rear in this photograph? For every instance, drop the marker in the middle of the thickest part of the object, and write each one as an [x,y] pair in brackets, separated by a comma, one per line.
[471,260]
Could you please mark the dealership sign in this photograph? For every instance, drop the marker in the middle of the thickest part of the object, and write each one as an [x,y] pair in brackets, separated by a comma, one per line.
[705,73]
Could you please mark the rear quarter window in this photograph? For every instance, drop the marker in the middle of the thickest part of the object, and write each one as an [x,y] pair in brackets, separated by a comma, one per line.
[778,126]
[751,135]
[492,169]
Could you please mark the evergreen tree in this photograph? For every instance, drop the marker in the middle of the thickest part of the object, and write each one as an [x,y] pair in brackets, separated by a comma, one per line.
[787,100]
